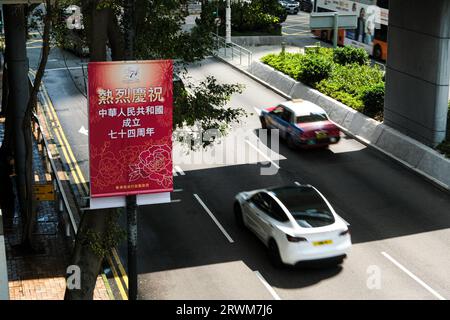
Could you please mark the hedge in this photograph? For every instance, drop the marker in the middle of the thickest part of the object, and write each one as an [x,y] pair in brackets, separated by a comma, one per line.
[349,55]
[351,81]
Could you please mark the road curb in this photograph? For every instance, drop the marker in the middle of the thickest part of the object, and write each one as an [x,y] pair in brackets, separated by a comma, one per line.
[348,117]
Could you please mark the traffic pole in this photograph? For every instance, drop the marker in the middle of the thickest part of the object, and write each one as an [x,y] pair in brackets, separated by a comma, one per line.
[131,209]
[228,22]
[335,34]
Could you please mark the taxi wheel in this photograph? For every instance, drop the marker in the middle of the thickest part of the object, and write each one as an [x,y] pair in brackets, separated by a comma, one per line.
[274,254]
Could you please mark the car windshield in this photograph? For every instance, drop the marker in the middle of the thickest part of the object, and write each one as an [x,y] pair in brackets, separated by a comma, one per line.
[312,117]
[306,206]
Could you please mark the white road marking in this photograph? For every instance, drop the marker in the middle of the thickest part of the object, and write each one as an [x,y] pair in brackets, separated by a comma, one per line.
[412,275]
[297,183]
[214,218]
[261,153]
[179,170]
[83,130]
[268,287]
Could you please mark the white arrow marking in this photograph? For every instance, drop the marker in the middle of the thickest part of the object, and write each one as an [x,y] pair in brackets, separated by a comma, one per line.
[83,130]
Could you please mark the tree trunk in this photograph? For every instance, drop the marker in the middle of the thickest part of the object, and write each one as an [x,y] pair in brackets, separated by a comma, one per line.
[6,186]
[26,127]
[83,256]
[16,59]
[115,37]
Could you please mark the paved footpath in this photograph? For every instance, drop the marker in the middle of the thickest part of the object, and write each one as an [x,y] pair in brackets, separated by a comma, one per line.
[40,276]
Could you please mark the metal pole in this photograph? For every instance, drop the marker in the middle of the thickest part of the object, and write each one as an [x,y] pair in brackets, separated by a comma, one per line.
[228,21]
[240,56]
[132,246]
[335,34]
[131,204]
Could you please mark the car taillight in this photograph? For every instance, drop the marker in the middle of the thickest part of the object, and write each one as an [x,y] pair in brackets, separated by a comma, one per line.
[343,233]
[295,239]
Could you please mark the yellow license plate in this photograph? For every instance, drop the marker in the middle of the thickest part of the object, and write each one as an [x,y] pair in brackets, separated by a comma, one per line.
[321,243]
[321,135]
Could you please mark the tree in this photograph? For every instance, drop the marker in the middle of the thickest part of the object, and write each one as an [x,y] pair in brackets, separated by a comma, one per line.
[158,36]
[19,103]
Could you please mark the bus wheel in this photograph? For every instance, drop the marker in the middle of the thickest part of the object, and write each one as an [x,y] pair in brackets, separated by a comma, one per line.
[377,53]
[324,35]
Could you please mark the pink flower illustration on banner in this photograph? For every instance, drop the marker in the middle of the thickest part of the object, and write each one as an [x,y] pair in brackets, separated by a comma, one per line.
[154,163]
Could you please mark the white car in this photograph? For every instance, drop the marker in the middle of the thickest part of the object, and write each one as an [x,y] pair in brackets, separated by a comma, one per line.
[296,223]
[290,6]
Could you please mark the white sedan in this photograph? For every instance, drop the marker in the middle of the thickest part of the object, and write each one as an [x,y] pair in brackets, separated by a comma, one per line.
[296,223]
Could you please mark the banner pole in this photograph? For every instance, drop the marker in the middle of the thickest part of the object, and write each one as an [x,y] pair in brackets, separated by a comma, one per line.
[131,209]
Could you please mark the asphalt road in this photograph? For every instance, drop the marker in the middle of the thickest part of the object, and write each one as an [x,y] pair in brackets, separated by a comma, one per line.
[297,24]
[399,222]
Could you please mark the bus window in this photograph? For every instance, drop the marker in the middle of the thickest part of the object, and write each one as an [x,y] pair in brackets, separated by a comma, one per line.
[381,33]
[383,4]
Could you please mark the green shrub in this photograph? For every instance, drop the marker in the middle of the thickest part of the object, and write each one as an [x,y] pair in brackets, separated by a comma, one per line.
[373,98]
[352,80]
[289,63]
[314,68]
[257,17]
[348,55]
[359,86]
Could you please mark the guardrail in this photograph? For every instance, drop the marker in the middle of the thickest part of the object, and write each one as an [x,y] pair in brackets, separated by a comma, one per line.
[61,201]
[231,50]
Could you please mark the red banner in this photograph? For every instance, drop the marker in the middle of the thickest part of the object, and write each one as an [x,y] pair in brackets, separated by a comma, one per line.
[130,127]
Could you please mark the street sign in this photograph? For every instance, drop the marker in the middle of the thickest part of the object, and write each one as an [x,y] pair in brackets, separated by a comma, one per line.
[333,20]
[130,128]
[326,20]
[43,192]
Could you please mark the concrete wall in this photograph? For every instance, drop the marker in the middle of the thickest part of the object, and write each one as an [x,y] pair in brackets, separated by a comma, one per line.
[418,69]
[386,139]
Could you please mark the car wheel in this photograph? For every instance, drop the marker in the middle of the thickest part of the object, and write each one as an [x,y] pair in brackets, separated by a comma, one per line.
[274,254]
[290,142]
[238,215]
[263,122]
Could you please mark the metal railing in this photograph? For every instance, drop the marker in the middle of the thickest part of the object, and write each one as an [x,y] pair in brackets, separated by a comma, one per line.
[62,205]
[233,51]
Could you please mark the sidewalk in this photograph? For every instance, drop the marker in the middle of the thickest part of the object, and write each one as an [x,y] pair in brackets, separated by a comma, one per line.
[41,276]
[258,52]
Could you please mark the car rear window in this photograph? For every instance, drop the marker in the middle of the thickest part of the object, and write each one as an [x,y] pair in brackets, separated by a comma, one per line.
[313,117]
[306,206]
